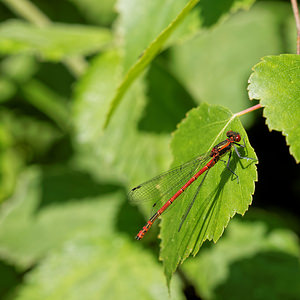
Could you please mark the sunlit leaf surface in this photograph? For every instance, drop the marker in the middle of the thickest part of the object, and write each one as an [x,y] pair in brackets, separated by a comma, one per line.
[276,83]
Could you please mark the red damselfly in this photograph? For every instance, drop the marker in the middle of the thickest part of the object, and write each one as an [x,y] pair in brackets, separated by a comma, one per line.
[168,186]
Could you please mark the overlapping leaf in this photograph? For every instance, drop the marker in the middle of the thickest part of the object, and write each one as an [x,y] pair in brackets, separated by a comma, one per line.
[220,197]
[276,83]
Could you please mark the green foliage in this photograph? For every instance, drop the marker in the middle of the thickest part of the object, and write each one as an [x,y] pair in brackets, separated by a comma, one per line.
[94,256]
[276,82]
[94,266]
[54,204]
[153,71]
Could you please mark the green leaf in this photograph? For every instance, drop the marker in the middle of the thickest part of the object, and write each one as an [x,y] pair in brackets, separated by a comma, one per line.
[275,82]
[221,195]
[54,42]
[93,267]
[216,79]
[129,152]
[250,260]
[51,207]
[147,56]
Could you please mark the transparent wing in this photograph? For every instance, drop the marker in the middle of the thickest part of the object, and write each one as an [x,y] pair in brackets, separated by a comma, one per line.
[162,187]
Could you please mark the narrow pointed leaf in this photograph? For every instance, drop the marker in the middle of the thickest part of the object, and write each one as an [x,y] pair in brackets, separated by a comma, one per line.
[153,49]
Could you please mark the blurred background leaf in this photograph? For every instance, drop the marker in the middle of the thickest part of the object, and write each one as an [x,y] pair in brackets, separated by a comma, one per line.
[47,207]
[90,264]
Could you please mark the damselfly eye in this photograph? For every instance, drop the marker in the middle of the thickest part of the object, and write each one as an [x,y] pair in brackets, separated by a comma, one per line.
[237,137]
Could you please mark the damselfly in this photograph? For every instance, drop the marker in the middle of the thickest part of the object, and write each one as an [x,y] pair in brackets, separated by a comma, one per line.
[175,181]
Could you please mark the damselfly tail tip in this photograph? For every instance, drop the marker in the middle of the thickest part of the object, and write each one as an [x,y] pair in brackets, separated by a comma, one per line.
[140,235]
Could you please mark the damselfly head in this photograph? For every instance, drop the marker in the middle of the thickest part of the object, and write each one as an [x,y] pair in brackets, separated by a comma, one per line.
[234,136]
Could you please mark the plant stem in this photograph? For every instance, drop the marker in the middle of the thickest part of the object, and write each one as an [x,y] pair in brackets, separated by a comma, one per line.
[243,112]
[31,13]
[297,19]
